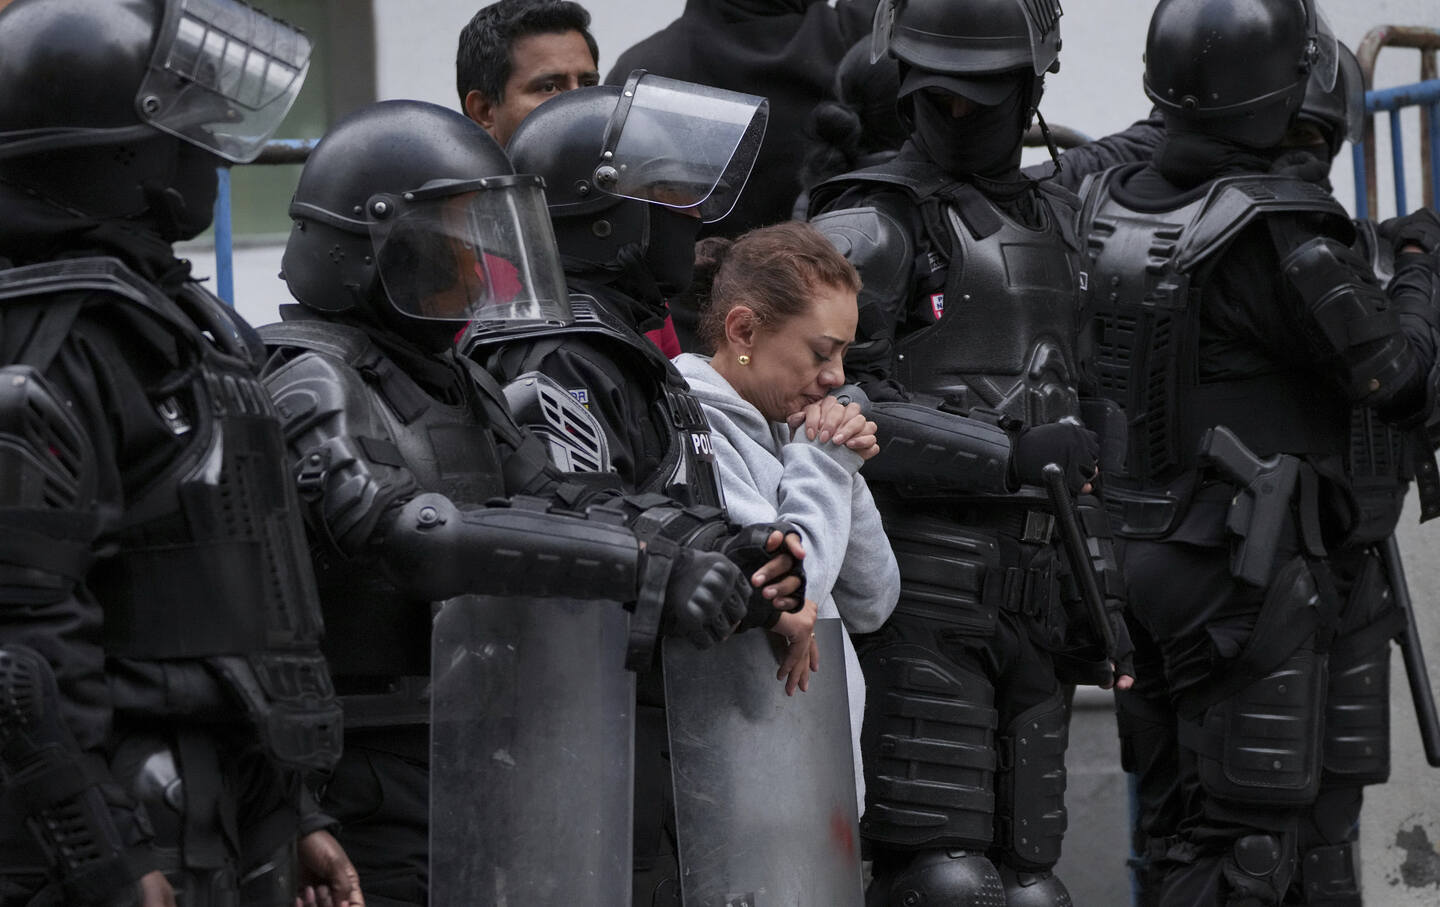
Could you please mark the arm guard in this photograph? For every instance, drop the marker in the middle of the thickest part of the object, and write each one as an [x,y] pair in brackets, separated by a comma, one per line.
[55,787]
[930,451]
[438,551]
[1357,327]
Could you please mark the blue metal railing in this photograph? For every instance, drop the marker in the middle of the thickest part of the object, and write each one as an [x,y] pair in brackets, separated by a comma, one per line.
[276,151]
[1392,101]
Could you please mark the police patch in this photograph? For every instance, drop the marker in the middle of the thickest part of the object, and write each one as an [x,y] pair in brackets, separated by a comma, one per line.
[937,304]
[581,395]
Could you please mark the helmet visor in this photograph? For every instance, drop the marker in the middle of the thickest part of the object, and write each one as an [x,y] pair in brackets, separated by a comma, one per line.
[1352,85]
[1324,50]
[681,145]
[1042,18]
[880,30]
[474,250]
[223,76]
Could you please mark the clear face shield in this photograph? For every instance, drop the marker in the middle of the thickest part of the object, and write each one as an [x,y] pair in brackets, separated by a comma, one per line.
[1323,51]
[681,145]
[223,75]
[474,250]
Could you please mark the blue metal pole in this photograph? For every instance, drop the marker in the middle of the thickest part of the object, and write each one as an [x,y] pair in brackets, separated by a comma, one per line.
[1435,155]
[224,259]
[1362,199]
[1397,155]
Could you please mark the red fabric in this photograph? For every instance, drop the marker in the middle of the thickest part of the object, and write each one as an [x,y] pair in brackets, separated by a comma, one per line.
[664,337]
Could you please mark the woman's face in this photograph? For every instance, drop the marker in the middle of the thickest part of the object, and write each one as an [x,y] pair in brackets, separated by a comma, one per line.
[798,361]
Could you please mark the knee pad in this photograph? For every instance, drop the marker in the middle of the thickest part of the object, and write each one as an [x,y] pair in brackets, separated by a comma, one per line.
[1328,878]
[1262,744]
[1030,810]
[954,878]
[1033,889]
[1258,869]
[929,748]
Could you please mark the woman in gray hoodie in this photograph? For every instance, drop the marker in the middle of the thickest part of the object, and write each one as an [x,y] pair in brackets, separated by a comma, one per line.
[780,315]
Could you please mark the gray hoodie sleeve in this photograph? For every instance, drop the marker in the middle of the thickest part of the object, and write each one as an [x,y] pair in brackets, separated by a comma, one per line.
[869,582]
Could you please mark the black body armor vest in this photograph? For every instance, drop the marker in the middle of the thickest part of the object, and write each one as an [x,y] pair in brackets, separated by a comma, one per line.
[210,561]
[449,448]
[1141,284]
[687,470]
[1001,334]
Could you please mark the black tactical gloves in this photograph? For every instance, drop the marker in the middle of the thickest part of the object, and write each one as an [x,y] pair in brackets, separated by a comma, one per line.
[1074,448]
[705,594]
[1418,228]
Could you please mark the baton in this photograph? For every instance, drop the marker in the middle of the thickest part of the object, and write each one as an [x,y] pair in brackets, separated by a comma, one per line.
[1073,538]
[1413,656]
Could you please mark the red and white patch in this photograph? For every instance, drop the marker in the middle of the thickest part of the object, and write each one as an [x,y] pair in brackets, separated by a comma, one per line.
[937,304]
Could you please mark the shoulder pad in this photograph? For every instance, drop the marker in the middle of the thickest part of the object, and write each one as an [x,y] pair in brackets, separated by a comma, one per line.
[341,341]
[49,450]
[918,178]
[103,274]
[875,243]
[1233,203]
[316,386]
[591,318]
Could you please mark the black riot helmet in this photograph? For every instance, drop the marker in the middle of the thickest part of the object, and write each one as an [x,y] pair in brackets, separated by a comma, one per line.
[994,53]
[632,172]
[119,109]
[409,215]
[1236,69]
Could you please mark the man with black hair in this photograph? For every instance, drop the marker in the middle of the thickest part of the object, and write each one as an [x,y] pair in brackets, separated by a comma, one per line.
[516,54]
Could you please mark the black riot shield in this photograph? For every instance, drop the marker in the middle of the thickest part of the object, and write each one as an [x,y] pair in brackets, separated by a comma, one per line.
[531,753]
[765,810]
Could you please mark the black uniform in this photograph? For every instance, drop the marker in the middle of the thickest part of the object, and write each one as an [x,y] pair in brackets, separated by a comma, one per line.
[162,693]
[163,578]
[990,628]
[966,345]
[1254,269]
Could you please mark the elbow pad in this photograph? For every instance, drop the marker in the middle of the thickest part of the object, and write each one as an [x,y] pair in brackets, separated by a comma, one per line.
[1354,321]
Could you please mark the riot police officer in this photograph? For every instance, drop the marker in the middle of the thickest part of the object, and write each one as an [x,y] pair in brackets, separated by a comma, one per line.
[1379,463]
[966,347]
[162,693]
[1222,292]
[410,221]
[634,173]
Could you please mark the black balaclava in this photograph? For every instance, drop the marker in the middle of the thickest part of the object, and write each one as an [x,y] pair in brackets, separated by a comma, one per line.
[987,143]
[1188,159]
[670,256]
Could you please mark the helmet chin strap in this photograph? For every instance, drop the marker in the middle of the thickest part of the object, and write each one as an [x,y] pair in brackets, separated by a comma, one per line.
[1049,143]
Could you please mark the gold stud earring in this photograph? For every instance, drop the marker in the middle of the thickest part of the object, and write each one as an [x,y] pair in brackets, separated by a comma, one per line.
[743,359]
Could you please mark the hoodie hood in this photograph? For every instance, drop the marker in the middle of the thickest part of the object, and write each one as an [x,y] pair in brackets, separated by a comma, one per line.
[713,390]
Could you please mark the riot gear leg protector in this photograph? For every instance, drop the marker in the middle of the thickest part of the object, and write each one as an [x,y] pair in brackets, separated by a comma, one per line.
[1030,807]
[929,743]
